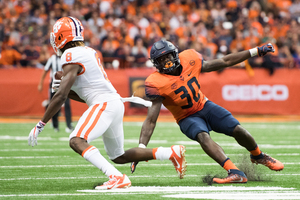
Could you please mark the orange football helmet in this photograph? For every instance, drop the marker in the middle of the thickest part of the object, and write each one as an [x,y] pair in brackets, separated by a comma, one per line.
[65,30]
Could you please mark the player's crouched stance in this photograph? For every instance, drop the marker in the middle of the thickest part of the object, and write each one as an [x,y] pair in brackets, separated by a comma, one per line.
[176,85]
[85,80]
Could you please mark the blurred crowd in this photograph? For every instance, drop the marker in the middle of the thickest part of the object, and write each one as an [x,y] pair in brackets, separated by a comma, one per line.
[124,31]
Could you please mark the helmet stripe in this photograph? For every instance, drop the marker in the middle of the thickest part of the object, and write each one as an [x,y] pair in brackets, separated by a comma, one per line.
[77,26]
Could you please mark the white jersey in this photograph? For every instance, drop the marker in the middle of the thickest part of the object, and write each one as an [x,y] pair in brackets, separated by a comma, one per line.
[92,84]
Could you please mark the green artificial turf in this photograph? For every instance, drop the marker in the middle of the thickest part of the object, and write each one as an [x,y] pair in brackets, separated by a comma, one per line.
[52,170]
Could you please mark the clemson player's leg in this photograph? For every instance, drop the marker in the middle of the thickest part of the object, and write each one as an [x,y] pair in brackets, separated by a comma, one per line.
[93,123]
[113,140]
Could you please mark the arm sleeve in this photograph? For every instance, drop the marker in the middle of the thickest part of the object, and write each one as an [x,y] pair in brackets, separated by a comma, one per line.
[49,63]
[151,91]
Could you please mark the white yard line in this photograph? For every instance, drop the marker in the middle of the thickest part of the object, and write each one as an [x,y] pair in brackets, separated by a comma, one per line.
[211,192]
[264,125]
[187,155]
[238,195]
[131,177]
[194,145]
[33,157]
[144,165]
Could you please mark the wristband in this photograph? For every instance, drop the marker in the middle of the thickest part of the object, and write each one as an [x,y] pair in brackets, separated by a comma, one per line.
[142,145]
[253,52]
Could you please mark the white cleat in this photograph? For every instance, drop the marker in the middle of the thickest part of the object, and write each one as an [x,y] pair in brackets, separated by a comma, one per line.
[178,159]
[115,182]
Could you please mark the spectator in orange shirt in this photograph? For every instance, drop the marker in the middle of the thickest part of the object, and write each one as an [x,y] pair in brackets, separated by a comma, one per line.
[9,57]
[251,40]
[238,43]
[204,13]
[139,52]
[123,55]
[177,5]
[218,13]
[109,45]
[211,44]
[30,57]
[153,30]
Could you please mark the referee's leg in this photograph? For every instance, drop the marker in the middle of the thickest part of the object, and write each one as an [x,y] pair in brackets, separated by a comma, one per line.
[55,117]
[68,114]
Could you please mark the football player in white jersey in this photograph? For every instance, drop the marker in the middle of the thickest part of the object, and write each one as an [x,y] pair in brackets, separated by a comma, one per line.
[85,80]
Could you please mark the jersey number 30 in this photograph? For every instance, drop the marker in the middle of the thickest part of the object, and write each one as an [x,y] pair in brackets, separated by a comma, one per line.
[196,96]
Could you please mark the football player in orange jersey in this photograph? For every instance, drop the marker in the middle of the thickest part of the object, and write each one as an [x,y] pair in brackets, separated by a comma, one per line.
[176,86]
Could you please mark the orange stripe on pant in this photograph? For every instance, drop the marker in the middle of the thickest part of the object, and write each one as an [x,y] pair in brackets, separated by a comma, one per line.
[95,121]
[89,118]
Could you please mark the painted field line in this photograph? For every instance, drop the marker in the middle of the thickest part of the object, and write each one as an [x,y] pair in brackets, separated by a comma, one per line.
[240,154]
[144,165]
[95,177]
[212,192]
[44,195]
[33,157]
[36,149]
[225,192]
[238,195]
[131,177]
[272,126]
[189,189]
[246,125]
[194,147]
[9,137]
[187,155]
[237,146]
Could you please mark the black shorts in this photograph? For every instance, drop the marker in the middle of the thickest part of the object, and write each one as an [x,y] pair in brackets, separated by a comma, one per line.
[211,117]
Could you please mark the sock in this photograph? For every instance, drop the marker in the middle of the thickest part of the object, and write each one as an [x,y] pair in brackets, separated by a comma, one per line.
[162,153]
[93,155]
[227,164]
[256,151]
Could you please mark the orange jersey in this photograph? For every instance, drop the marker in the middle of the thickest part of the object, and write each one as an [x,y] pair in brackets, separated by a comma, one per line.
[182,95]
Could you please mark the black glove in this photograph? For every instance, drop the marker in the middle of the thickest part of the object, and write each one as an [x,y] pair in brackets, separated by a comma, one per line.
[263,50]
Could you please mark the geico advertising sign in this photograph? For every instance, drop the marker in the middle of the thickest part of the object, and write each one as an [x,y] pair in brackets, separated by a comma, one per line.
[255,92]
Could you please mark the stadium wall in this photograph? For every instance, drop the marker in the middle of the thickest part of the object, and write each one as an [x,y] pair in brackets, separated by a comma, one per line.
[233,89]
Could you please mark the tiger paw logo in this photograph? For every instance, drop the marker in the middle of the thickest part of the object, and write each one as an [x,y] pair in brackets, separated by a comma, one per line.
[192,62]
[57,26]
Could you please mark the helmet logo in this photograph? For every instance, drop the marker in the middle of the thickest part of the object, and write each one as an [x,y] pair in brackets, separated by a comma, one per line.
[163,52]
[57,26]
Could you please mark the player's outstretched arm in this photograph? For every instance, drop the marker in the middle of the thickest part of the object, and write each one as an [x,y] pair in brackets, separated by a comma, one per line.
[40,85]
[150,122]
[235,58]
[148,127]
